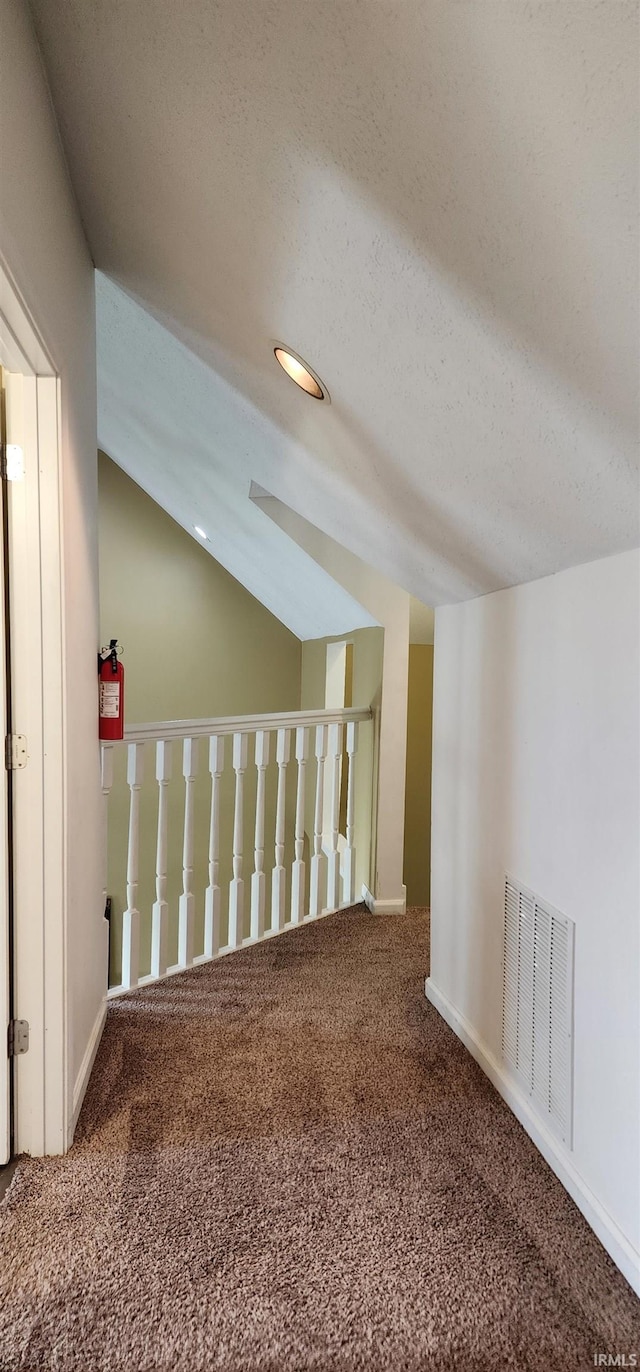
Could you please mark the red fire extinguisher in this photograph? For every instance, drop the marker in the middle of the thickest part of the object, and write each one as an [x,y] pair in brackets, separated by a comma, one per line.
[111,692]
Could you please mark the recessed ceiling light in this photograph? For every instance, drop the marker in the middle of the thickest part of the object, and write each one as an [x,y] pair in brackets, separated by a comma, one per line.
[200,532]
[301,373]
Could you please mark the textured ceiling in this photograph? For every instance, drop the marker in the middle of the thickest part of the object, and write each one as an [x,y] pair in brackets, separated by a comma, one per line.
[186,437]
[434,202]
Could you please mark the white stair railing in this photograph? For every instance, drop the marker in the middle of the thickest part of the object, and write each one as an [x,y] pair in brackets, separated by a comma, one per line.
[349,857]
[160,911]
[298,869]
[186,911]
[333,861]
[212,893]
[259,880]
[236,888]
[319,860]
[327,884]
[279,876]
[131,916]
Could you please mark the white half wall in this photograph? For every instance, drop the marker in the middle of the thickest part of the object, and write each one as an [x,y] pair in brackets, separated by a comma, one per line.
[536,771]
[45,254]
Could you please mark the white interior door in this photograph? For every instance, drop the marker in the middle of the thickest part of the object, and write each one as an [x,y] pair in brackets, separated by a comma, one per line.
[5,913]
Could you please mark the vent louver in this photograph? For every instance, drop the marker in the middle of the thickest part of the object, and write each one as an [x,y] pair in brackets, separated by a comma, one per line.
[537,1004]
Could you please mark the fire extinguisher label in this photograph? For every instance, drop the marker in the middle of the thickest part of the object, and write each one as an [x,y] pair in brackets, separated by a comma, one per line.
[109,699]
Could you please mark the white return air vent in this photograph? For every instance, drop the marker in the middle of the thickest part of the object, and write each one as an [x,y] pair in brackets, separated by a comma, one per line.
[537,1004]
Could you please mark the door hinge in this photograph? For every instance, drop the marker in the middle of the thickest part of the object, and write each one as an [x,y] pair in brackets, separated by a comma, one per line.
[12,462]
[15,752]
[18,1037]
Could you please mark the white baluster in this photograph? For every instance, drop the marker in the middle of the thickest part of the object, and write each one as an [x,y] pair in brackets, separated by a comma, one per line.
[333,865]
[349,856]
[297,875]
[160,911]
[278,875]
[236,885]
[131,916]
[258,879]
[318,861]
[212,893]
[106,782]
[186,906]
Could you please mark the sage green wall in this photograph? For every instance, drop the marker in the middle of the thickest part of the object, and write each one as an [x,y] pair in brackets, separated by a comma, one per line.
[196,642]
[196,645]
[417,831]
[366,690]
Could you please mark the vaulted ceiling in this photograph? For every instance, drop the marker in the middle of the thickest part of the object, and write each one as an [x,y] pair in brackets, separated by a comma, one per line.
[187,437]
[433,202]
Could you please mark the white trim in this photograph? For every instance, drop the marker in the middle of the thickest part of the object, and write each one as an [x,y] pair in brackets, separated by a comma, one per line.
[385,905]
[82,1079]
[41,1077]
[604,1226]
[28,801]
[239,724]
[5,967]
[58,1136]
[21,349]
[11,355]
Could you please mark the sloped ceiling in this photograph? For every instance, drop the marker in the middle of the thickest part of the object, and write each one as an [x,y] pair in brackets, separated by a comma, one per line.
[434,202]
[186,437]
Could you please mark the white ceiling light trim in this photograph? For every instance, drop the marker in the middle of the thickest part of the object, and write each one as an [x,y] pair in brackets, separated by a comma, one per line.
[301,373]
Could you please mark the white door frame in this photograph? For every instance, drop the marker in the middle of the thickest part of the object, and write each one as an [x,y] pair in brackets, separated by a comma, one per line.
[41,1093]
[5,887]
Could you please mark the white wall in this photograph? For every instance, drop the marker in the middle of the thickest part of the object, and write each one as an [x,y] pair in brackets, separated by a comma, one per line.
[43,247]
[536,770]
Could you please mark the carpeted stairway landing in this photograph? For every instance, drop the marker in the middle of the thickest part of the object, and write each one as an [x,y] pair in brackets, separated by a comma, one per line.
[287,1161]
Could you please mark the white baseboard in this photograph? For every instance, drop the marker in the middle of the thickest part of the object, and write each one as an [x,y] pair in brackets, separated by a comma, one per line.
[385,907]
[82,1079]
[604,1226]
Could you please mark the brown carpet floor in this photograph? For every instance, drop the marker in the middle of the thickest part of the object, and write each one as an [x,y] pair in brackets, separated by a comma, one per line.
[286,1161]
